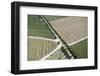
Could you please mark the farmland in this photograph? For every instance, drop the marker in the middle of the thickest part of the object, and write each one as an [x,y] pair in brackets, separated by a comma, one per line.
[80,49]
[46,33]
[38,48]
[58,55]
[36,27]
[52,18]
[71,29]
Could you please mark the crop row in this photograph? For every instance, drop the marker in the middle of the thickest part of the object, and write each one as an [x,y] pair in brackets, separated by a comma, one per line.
[71,29]
[38,48]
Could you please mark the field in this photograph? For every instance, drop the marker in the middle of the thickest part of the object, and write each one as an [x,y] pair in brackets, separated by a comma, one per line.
[39,35]
[52,18]
[38,48]
[57,56]
[70,29]
[80,49]
[36,27]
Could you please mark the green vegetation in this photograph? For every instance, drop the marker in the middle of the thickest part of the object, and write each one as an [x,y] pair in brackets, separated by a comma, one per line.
[38,28]
[58,55]
[51,18]
[80,49]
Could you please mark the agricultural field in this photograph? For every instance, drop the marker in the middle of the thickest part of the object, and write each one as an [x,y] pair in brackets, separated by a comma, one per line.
[70,28]
[58,55]
[80,49]
[38,48]
[42,38]
[52,18]
[38,28]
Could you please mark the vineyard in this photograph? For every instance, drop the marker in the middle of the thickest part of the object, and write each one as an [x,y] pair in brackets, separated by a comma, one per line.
[80,49]
[71,29]
[38,48]
[57,37]
[52,18]
[38,28]
[74,31]
[57,56]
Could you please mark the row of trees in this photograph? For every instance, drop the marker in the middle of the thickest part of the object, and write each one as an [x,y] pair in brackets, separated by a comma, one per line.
[68,53]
